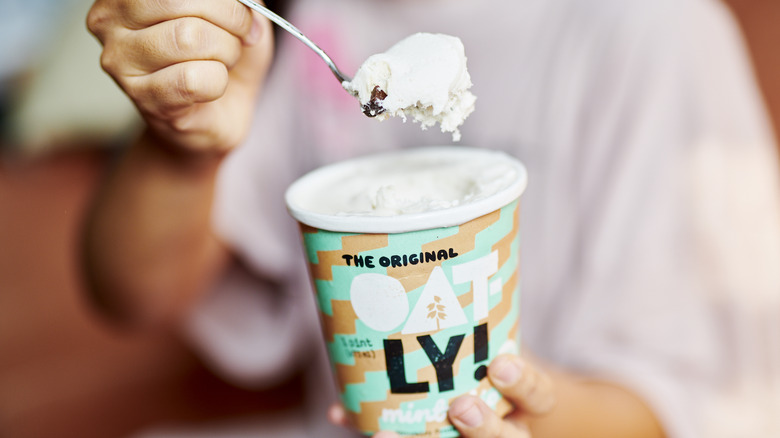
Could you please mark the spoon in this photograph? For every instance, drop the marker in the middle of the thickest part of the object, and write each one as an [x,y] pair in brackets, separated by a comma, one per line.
[372,109]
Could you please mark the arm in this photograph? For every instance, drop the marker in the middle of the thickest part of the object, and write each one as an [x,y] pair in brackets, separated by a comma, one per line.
[193,70]
[149,250]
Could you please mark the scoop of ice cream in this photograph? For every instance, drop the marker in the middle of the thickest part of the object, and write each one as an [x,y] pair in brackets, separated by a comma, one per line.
[423,77]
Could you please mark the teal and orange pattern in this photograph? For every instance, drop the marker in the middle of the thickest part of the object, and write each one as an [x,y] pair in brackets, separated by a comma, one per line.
[411,320]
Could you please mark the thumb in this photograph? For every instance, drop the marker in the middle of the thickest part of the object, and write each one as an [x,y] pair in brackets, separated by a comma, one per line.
[526,386]
[252,66]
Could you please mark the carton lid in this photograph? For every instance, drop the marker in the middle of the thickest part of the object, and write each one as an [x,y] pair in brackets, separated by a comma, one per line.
[306,197]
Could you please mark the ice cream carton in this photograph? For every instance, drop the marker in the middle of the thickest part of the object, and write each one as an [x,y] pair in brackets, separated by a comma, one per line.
[415,306]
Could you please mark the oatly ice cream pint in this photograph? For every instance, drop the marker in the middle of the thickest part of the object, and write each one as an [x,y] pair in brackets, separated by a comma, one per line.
[414,259]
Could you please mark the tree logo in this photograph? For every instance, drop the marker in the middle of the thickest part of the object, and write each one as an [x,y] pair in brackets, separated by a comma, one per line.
[436,311]
[437,307]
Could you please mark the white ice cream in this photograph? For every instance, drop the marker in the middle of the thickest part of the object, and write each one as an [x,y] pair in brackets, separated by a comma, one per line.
[417,181]
[425,78]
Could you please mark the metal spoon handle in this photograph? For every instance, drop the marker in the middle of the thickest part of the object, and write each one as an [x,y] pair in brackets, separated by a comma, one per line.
[286,25]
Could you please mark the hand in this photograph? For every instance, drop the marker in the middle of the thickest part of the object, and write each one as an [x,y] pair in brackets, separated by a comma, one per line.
[528,388]
[192,68]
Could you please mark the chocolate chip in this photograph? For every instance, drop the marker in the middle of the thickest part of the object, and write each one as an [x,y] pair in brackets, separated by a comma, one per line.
[374,106]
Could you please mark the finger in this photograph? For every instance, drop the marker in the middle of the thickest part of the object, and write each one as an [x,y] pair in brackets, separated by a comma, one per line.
[201,128]
[230,15]
[527,387]
[255,59]
[474,419]
[386,434]
[337,415]
[164,93]
[170,42]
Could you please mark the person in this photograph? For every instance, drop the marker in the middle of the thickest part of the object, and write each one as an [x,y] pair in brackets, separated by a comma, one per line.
[649,229]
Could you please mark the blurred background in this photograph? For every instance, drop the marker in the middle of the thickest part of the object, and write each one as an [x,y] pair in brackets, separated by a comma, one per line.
[63,372]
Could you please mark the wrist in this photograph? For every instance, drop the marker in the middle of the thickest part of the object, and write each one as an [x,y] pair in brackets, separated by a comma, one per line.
[195,162]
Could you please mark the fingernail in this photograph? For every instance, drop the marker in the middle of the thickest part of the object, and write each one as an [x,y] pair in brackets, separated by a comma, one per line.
[254,33]
[466,411]
[505,370]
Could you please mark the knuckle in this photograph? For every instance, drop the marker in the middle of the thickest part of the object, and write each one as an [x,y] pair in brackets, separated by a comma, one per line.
[525,389]
[202,81]
[539,395]
[181,124]
[528,380]
[188,35]
[102,18]
[188,84]
[96,19]
[101,21]
[110,62]
[548,397]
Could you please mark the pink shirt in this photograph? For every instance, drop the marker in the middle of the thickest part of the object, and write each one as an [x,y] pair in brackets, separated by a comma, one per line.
[650,227]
